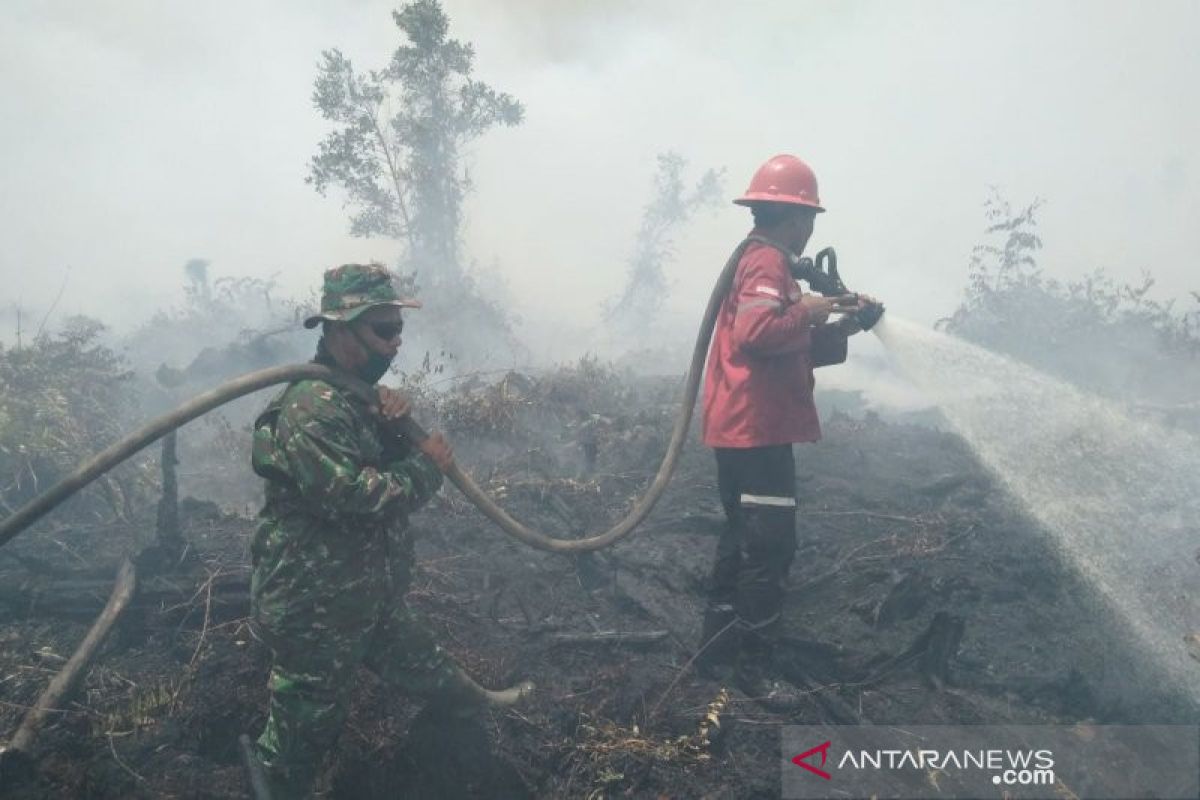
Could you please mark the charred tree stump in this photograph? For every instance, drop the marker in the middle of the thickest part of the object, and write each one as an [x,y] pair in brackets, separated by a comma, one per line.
[169,550]
[68,678]
[170,537]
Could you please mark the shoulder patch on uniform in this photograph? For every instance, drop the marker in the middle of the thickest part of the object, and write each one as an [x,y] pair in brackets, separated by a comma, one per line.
[762,288]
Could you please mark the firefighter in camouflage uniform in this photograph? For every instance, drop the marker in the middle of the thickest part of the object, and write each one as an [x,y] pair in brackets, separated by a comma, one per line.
[332,556]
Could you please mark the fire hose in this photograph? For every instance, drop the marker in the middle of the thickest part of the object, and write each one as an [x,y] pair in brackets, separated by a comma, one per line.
[825,281]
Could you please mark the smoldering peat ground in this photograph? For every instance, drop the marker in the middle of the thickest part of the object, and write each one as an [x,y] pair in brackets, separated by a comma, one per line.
[922,593]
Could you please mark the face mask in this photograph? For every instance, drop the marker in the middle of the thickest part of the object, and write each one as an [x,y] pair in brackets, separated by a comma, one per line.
[376,365]
[375,368]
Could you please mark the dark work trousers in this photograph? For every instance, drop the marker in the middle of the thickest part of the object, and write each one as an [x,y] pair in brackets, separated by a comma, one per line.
[758,490]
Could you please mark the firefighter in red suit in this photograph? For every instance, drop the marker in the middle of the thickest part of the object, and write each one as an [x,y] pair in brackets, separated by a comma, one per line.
[758,402]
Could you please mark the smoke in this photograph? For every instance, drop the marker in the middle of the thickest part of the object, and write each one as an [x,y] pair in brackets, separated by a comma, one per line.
[151,133]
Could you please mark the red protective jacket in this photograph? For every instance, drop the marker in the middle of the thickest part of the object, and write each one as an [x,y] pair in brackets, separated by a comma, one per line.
[758,390]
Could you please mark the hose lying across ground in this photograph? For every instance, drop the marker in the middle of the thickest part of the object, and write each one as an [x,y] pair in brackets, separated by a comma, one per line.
[105,460]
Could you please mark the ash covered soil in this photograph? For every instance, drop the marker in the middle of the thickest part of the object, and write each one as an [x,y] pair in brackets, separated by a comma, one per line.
[921,594]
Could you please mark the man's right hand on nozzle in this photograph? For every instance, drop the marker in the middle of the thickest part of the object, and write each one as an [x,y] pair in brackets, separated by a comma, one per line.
[820,307]
[437,448]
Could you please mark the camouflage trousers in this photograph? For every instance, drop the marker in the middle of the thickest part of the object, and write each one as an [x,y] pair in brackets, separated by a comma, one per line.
[312,676]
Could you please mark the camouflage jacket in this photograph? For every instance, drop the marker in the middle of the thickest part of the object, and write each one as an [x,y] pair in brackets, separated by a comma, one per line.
[339,491]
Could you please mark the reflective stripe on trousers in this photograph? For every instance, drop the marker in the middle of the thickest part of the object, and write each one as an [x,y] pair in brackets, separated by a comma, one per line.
[758,545]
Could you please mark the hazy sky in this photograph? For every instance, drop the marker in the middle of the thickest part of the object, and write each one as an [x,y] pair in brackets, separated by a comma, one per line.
[139,134]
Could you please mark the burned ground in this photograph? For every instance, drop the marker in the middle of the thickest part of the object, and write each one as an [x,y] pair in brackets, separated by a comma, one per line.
[922,594]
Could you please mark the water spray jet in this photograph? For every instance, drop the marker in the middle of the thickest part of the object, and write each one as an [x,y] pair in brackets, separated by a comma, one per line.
[1118,496]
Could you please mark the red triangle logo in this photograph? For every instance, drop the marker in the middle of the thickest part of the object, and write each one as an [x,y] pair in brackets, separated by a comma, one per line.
[823,749]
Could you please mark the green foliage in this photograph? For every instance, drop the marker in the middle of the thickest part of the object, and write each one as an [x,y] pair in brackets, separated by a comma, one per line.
[223,327]
[506,403]
[399,131]
[395,152]
[227,303]
[671,205]
[1108,336]
[63,398]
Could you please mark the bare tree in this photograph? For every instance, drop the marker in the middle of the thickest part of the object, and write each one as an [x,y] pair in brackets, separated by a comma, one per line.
[672,204]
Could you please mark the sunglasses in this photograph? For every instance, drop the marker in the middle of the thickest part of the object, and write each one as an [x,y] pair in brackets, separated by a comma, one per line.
[386,330]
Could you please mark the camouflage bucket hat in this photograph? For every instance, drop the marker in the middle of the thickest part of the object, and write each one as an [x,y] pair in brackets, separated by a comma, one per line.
[351,289]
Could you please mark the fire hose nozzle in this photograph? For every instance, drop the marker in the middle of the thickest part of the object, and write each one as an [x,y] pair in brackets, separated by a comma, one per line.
[822,277]
[868,315]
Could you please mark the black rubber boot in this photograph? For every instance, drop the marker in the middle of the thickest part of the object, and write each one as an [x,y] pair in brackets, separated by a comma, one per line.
[718,646]
[756,674]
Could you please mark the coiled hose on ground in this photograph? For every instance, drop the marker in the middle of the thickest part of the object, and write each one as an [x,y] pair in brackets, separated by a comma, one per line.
[105,460]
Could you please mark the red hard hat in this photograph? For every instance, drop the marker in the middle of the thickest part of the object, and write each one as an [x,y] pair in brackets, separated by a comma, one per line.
[783,179]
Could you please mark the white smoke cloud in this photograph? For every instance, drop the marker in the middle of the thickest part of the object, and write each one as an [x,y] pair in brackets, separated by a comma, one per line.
[142,134]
